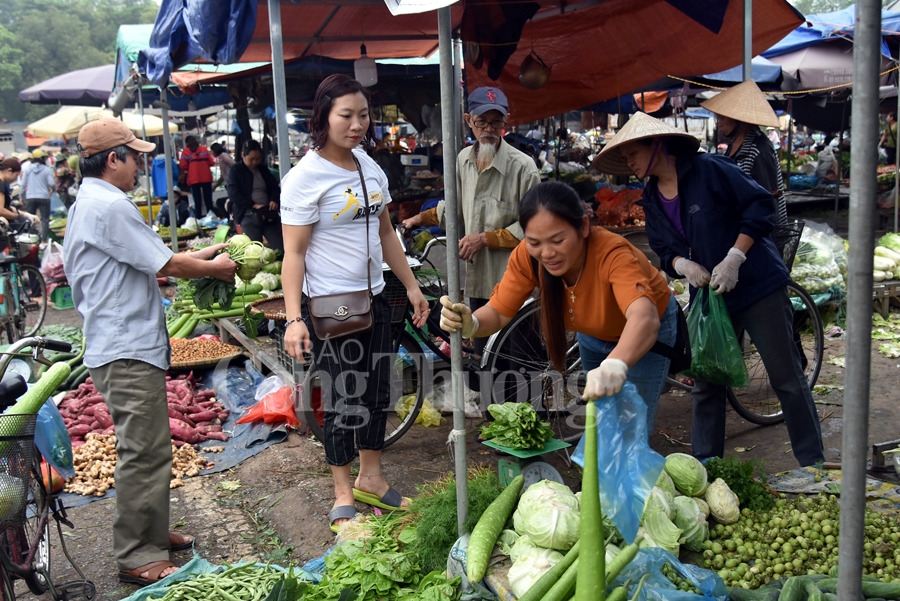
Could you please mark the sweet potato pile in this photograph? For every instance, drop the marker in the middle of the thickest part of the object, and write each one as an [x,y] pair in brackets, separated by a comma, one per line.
[194,415]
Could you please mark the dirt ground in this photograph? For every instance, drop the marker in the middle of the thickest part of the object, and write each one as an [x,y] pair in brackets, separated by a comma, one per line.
[274,506]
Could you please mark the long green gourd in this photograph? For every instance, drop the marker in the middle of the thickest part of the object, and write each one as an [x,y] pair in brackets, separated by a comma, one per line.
[484,535]
[591,582]
[551,576]
[32,401]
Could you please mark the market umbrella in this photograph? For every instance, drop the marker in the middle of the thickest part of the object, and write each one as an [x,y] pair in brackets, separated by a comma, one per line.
[84,87]
[64,123]
[68,120]
[825,65]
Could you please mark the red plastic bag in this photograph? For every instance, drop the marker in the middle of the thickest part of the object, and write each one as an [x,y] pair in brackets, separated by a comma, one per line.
[275,407]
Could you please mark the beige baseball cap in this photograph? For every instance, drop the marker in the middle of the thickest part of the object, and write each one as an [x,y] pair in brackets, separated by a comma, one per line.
[107,133]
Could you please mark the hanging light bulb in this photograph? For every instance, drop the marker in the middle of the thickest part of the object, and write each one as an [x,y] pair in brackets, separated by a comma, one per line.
[364,69]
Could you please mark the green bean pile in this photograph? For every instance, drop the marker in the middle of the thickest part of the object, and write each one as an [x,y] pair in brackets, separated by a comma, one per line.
[245,582]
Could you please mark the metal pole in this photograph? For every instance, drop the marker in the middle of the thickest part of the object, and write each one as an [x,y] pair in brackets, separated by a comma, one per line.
[790,144]
[167,148]
[896,162]
[451,214]
[458,107]
[146,161]
[281,126]
[748,39]
[866,52]
[837,187]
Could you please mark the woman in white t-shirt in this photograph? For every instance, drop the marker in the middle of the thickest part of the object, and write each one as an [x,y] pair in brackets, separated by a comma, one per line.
[324,224]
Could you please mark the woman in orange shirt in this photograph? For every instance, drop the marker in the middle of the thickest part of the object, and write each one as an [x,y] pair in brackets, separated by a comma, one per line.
[592,282]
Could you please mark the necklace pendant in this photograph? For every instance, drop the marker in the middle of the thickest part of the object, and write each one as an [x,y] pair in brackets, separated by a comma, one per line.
[572,295]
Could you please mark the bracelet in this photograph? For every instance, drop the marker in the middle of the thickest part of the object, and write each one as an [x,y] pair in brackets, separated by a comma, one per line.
[290,321]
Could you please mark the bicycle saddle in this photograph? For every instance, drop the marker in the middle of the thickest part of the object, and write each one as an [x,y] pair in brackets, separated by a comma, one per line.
[12,386]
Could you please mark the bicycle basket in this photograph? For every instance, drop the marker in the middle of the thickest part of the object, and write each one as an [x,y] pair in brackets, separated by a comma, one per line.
[17,458]
[787,238]
[25,245]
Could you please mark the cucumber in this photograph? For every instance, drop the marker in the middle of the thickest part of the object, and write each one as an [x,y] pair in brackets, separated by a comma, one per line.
[484,535]
[793,590]
[82,376]
[812,591]
[885,590]
[176,325]
[828,585]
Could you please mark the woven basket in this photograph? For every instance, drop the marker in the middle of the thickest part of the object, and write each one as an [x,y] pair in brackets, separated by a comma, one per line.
[272,308]
[237,352]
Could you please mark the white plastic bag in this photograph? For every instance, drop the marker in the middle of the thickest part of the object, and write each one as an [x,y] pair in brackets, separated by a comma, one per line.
[191,224]
[52,263]
[270,384]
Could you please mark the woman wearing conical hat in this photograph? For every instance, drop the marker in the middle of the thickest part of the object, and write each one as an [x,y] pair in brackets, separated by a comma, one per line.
[710,223]
[740,111]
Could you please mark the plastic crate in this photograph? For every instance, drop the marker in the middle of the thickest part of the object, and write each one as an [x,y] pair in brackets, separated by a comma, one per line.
[61,297]
[277,334]
[16,462]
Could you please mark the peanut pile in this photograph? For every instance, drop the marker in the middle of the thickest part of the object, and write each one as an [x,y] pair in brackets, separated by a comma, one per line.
[95,465]
[200,350]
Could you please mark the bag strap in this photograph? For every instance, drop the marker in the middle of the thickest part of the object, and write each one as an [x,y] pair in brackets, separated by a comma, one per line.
[362,180]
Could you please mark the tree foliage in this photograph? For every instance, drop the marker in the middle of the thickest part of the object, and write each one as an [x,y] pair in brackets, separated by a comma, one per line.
[815,7]
[40,39]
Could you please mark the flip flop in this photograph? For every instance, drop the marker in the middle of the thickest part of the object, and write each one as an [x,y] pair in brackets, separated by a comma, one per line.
[153,570]
[179,542]
[391,500]
[341,512]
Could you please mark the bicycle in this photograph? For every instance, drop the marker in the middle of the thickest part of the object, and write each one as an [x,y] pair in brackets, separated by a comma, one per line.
[25,523]
[23,291]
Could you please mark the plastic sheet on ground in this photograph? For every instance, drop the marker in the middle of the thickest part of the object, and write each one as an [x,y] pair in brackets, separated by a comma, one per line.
[196,566]
[657,587]
[881,496]
[235,388]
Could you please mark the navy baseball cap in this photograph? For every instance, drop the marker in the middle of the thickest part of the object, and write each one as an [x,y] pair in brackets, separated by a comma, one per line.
[482,100]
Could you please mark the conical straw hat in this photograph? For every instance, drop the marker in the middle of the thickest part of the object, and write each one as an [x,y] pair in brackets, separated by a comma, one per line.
[641,126]
[744,102]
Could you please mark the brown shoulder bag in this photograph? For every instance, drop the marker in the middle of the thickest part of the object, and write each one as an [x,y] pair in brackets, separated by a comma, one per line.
[336,315]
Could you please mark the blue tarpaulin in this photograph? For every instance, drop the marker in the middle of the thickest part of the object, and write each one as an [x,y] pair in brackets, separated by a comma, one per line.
[826,26]
[763,71]
[184,32]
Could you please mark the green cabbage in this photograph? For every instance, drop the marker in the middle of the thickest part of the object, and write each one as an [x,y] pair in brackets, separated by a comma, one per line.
[688,474]
[521,546]
[659,531]
[506,540]
[723,503]
[689,517]
[704,506]
[611,552]
[665,482]
[529,567]
[548,514]
[658,501]
[891,241]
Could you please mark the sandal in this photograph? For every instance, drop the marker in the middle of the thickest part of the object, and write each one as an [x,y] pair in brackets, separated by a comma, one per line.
[341,512]
[179,542]
[153,570]
[391,501]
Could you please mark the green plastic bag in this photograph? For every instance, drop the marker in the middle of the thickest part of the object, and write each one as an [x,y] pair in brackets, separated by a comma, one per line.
[717,358]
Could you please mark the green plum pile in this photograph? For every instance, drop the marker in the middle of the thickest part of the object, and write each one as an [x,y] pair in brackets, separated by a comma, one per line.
[797,537]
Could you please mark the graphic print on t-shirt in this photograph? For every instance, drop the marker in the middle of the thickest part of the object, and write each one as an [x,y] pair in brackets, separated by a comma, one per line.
[355,207]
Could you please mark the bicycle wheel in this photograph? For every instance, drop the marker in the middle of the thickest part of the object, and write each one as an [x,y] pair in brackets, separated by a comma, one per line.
[520,371]
[7,590]
[407,392]
[31,313]
[33,532]
[757,402]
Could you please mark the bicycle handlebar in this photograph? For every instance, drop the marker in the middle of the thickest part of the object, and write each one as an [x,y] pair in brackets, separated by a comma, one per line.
[38,343]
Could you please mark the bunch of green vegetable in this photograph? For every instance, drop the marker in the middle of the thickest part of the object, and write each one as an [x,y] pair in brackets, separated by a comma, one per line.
[165,232]
[432,515]
[379,567]
[814,587]
[746,478]
[517,426]
[250,257]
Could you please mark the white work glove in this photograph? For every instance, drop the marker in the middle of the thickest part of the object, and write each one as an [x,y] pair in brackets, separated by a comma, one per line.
[458,317]
[605,380]
[725,274]
[695,273]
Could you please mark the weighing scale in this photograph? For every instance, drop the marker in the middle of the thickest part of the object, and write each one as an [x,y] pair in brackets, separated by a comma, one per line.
[523,462]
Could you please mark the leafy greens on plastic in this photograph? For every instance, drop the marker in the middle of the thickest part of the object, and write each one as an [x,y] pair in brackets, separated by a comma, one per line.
[517,426]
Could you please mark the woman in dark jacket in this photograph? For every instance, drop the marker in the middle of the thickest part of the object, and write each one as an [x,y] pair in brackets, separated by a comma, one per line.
[255,194]
[710,223]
